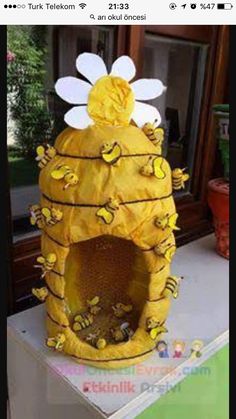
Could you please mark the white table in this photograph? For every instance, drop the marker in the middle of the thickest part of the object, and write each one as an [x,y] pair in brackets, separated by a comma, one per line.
[47,385]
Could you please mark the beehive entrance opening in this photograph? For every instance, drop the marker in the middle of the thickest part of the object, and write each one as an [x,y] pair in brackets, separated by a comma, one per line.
[113,269]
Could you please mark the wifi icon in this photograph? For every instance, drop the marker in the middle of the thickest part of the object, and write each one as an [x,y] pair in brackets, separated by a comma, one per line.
[82,5]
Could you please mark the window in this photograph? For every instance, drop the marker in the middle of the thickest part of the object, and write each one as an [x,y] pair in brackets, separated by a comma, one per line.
[181,66]
[63,44]
[201,52]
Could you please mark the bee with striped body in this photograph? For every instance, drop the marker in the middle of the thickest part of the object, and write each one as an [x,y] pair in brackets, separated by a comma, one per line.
[36,217]
[106,213]
[167,221]
[65,173]
[172,286]
[122,333]
[120,309]
[82,321]
[179,178]
[96,341]
[45,155]
[51,215]
[154,327]
[57,342]
[46,263]
[154,134]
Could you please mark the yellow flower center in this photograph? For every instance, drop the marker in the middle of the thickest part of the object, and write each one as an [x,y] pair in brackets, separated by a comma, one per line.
[111,101]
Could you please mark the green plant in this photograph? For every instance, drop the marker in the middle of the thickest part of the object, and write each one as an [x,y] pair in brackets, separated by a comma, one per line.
[22,171]
[13,151]
[26,87]
[221,112]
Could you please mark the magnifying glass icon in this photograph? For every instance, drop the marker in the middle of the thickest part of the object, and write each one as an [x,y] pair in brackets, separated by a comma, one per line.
[92,17]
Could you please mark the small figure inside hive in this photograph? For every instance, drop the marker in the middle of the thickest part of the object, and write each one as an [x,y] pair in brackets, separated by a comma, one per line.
[95,340]
[122,333]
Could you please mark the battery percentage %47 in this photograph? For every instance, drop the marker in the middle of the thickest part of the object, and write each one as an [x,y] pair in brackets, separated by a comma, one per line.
[207,6]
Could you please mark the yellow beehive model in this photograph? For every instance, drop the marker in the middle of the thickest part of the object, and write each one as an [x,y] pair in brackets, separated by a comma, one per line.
[107,217]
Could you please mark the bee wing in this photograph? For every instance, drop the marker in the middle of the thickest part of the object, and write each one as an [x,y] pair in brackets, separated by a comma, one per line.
[58,174]
[169,253]
[124,325]
[172,221]
[105,215]
[46,212]
[157,167]
[50,342]
[127,308]
[159,132]
[51,258]
[186,177]
[40,259]
[40,293]
[35,292]
[173,218]
[32,220]
[40,150]
[78,318]
[175,295]
[94,301]
[113,154]
[153,333]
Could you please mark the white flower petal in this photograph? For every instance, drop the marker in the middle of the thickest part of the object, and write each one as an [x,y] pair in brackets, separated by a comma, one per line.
[144,113]
[146,89]
[78,117]
[124,67]
[73,90]
[91,66]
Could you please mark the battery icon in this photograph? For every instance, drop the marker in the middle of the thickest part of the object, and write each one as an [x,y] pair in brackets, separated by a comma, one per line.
[224,6]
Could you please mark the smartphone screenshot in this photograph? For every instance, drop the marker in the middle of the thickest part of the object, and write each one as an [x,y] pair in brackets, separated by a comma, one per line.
[116,180]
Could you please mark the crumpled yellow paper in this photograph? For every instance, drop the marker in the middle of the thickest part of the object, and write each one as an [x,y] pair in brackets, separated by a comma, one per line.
[111,101]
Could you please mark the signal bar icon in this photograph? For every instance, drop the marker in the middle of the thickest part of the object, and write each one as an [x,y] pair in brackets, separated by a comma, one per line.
[82,5]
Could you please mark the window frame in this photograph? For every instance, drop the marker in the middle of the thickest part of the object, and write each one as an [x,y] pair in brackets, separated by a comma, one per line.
[194,216]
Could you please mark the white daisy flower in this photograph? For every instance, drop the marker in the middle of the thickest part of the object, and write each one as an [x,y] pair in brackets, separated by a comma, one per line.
[108,99]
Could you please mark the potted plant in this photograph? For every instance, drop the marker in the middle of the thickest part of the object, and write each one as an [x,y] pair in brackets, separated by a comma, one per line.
[218,189]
